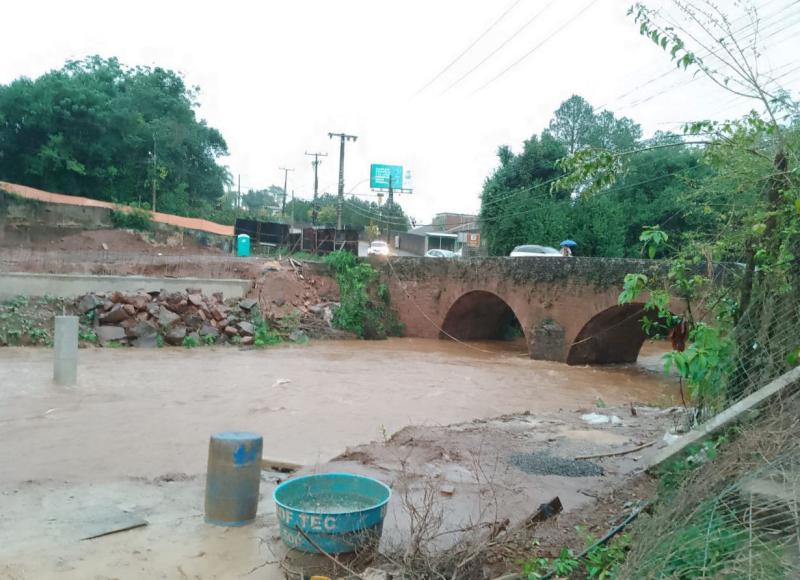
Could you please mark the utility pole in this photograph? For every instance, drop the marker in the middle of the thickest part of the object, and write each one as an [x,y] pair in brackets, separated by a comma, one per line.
[343,137]
[285,183]
[238,192]
[292,208]
[155,172]
[315,163]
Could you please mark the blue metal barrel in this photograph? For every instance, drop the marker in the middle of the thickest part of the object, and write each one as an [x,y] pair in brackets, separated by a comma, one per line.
[233,478]
[340,512]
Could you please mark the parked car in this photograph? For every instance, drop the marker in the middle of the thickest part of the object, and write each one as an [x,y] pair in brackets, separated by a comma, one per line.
[533,250]
[440,254]
[378,248]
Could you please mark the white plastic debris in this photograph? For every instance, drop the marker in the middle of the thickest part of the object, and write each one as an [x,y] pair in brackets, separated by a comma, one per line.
[599,419]
[670,438]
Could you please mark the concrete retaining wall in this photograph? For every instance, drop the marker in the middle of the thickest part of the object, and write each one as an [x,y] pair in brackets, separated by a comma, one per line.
[73,285]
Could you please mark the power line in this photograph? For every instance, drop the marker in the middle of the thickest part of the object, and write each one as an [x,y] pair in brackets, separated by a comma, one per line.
[466,50]
[577,15]
[499,48]
[780,14]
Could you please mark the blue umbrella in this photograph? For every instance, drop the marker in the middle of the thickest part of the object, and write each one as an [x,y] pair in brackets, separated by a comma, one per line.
[569,243]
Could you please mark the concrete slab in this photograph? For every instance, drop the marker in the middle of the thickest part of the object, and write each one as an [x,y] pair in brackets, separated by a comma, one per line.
[74,285]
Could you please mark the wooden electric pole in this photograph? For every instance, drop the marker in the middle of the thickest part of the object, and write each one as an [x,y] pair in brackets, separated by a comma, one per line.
[343,137]
[315,164]
[285,183]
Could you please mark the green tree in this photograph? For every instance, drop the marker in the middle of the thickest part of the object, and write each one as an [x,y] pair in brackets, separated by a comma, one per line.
[92,127]
[327,216]
[573,123]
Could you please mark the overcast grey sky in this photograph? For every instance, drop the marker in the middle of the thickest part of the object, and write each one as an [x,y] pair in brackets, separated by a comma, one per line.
[277,76]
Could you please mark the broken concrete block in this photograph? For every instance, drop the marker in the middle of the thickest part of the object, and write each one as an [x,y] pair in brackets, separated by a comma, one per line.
[208,330]
[246,329]
[219,312]
[193,321]
[195,299]
[114,316]
[298,335]
[140,301]
[141,329]
[247,304]
[107,334]
[175,336]
[130,309]
[167,317]
[88,303]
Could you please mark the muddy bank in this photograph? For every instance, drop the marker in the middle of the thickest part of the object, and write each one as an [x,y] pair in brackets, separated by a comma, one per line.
[465,468]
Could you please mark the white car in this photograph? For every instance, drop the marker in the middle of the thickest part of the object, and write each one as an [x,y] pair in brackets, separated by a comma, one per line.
[440,254]
[378,248]
[532,250]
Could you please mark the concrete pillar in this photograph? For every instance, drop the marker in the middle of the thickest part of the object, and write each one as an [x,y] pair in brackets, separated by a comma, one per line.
[65,350]
[233,478]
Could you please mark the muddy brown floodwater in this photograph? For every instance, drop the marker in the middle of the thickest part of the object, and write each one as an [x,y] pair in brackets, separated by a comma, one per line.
[130,440]
[145,413]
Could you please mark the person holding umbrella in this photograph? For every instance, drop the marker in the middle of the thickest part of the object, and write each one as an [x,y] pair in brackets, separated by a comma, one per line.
[566,248]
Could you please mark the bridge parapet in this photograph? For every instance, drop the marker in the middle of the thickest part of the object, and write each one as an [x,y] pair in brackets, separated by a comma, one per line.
[567,307]
[599,273]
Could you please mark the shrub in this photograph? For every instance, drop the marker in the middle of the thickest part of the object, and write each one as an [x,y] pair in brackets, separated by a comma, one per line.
[364,308]
[132,218]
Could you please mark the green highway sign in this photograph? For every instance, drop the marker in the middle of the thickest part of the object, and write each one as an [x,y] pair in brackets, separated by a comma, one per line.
[385,176]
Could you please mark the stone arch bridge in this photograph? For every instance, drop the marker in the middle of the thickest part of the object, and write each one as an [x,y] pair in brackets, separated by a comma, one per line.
[567,307]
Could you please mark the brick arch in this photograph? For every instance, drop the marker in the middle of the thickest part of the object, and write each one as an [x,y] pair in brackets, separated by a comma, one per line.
[478,315]
[614,335]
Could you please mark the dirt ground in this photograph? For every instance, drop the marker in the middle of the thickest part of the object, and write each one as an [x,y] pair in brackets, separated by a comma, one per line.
[130,441]
[115,240]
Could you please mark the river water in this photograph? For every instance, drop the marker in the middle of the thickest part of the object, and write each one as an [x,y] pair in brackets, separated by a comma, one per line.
[149,412]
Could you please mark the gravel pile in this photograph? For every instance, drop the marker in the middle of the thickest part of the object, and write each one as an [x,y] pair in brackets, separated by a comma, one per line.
[545,464]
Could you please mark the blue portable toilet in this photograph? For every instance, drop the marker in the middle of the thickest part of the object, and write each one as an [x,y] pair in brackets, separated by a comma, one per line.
[242,245]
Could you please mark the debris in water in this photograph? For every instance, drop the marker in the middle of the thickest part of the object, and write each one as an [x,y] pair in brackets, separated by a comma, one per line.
[545,464]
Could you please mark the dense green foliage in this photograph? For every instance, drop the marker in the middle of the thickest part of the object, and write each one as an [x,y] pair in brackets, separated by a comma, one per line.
[89,129]
[364,305]
[519,204]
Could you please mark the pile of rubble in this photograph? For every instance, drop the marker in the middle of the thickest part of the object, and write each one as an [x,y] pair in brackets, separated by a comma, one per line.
[178,318]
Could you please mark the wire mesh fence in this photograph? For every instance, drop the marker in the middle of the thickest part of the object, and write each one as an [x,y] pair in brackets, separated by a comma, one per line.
[735,517]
